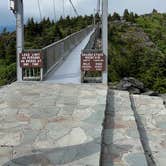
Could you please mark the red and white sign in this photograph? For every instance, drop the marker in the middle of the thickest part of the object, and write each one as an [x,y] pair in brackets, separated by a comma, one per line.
[92,62]
[31,59]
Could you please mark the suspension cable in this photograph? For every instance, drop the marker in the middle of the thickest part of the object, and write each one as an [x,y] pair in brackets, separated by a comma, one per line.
[54,10]
[39,10]
[63,8]
[98,6]
[75,10]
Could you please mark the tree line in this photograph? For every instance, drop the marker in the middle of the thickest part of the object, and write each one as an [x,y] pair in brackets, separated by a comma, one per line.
[137,45]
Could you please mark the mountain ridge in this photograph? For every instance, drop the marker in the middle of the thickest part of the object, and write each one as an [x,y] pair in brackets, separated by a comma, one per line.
[9,28]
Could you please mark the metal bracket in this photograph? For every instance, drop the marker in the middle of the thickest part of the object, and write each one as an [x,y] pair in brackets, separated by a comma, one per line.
[13,6]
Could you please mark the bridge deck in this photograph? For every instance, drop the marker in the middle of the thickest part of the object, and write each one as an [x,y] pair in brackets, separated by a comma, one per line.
[69,71]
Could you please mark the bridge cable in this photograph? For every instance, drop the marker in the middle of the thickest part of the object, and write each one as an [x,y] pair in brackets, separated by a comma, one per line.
[39,10]
[75,10]
[63,6]
[54,10]
[98,6]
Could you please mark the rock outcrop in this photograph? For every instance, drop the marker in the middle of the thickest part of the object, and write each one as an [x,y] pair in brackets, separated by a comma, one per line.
[134,86]
[130,84]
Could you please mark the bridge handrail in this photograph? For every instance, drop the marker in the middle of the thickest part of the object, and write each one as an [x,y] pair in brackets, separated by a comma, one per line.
[55,53]
[59,41]
[93,38]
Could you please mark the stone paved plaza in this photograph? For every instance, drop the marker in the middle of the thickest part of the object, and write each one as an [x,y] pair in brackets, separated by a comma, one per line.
[48,124]
[44,124]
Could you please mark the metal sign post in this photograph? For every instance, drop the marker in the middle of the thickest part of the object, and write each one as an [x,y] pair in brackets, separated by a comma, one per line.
[17,7]
[20,35]
[105,37]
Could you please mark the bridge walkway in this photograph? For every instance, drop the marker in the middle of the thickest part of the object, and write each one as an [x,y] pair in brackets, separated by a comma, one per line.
[69,70]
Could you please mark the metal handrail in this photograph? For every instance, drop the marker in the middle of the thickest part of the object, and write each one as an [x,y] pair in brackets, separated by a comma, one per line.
[55,53]
[93,38]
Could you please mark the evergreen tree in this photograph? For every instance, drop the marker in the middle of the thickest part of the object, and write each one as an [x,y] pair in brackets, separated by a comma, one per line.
[154,11]
[131,17]
[11,52]
[126,15]
[2,48]
[115,16]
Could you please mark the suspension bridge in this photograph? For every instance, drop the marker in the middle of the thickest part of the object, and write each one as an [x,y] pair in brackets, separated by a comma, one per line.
[65,61]
[50,117]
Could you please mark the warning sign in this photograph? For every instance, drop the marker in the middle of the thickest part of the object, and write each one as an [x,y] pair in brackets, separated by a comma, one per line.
[31,59]
[92,62]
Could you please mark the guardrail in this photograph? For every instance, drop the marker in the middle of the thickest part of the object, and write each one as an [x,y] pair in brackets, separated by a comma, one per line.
[54,54]
[93,38]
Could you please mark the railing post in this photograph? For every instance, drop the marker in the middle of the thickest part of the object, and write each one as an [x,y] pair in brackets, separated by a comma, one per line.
[62,49]
[41,74]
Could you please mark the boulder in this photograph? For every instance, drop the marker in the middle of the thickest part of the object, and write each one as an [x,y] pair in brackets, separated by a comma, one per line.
[151,93]
[131,84]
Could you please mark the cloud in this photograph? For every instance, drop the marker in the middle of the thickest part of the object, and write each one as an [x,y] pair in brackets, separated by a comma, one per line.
[83,7]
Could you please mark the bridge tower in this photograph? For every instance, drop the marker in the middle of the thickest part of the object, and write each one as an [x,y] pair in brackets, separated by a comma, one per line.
[17,7]
[105,37]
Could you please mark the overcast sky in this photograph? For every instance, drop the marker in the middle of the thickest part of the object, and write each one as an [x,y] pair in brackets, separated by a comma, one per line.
[83,7]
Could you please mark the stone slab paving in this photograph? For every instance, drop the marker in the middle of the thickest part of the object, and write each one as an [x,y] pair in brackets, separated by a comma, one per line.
[121,141]
[44,124]
[152,113]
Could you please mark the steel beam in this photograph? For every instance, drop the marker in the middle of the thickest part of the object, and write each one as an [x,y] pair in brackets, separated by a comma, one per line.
[105,37]
[19,35]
